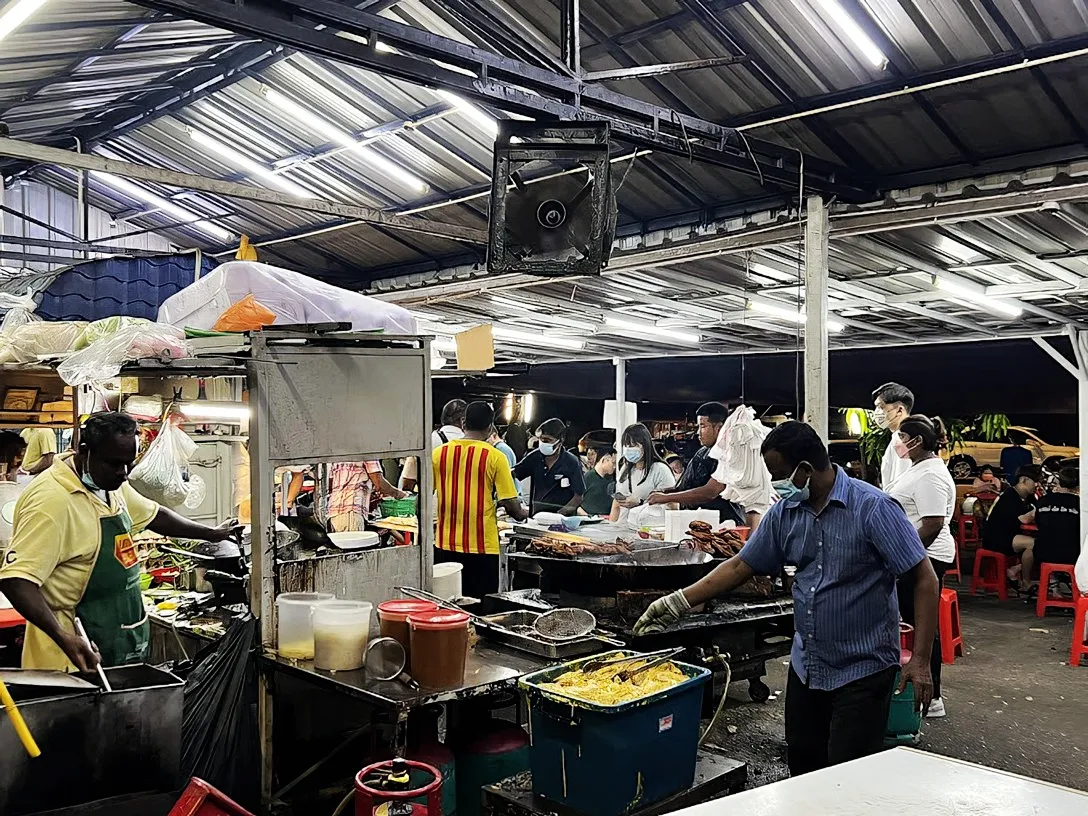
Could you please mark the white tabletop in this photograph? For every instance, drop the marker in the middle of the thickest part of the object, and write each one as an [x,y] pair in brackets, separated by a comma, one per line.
[901,782]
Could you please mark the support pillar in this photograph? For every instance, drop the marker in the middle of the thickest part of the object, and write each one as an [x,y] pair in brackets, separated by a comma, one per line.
[570,20]
[621,401]
[816,242]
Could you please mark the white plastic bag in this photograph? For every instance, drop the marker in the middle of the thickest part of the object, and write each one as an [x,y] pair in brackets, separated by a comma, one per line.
[162,474]
[18,310]
[740,466]
[102,359]
[38,338]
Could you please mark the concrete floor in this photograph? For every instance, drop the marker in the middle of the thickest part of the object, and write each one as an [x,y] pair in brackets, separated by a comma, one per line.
[1013,703]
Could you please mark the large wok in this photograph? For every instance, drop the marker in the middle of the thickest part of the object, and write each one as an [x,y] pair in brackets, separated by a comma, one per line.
[655,567]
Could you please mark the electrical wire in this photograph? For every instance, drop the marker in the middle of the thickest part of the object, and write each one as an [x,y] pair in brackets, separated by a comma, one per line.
[721,702]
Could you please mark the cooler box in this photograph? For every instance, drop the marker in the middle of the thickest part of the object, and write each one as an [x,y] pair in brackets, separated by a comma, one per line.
[610,760]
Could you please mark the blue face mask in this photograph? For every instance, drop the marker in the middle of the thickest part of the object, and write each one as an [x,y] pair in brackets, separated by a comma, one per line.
[87,480]
[548,448]
[788,491]
[632,454]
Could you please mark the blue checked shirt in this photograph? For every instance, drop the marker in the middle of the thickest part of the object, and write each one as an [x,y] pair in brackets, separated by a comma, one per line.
[845,612]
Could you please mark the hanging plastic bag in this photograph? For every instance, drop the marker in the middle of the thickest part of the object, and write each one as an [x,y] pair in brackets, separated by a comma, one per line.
[248,314]
[102,360]
[162,474]
[18,310]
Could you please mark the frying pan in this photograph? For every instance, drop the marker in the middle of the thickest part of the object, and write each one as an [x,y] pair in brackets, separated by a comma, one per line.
[598,576]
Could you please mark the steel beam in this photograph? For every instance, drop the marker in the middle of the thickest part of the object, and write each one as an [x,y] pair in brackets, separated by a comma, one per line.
[570,25]
[662,68]
[647,30]
[76,246]
[816,279]
[500,81]
[64,158]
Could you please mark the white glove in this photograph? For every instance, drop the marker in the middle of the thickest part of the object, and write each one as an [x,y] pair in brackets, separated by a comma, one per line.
[663,613]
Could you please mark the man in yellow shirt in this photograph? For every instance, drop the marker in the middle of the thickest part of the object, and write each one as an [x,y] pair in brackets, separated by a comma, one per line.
[72,555]
[41,447]
[469,477]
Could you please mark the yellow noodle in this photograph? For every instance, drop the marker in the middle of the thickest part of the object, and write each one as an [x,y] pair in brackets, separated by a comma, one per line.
[601,687]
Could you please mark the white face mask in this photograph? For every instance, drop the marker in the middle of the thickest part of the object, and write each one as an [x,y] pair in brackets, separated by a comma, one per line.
[880,417]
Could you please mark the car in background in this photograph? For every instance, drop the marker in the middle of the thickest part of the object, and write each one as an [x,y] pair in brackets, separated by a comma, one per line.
[967,457]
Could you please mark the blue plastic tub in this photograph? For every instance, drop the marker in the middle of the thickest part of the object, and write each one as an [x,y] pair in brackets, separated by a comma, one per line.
[610,760]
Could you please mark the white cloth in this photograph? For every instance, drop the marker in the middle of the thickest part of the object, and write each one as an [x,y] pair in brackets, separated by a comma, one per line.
[294,297]
[660,477]
[927,490]
[892,466]
[1081,569]
[411,466]
[740,464]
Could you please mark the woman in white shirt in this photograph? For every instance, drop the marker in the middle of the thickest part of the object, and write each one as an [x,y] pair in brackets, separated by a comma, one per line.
[642,472]
[928,496]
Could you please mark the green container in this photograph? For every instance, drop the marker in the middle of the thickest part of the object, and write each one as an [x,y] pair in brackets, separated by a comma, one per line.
[398,507]
[904,723]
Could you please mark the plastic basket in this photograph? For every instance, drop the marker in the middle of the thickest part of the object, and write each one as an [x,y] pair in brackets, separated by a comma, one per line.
[610,760]
[392,508]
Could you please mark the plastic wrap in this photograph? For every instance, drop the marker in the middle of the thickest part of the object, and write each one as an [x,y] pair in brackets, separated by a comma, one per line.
[107,327]
[18,310]
[161,475]
[740,465]
[293,297]
[39,338]
[102,360]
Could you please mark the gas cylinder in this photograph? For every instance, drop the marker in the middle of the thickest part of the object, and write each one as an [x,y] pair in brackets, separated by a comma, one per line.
[385,789]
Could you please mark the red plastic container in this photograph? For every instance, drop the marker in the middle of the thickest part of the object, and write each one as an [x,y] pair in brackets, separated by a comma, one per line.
[368,800]
[201,799]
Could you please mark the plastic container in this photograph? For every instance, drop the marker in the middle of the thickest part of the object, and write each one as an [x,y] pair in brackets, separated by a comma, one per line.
[341,632]
[393,622]
[904,722]
[295,632]
[446,580]
[609,760]
[439,648]
[394,508]
[355,540]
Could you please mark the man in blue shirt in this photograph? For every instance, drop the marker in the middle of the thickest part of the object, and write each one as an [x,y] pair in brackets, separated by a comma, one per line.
[849,543]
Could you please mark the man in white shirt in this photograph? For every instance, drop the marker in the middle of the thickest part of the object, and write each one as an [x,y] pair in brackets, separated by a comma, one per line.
[453,427]
[892,403]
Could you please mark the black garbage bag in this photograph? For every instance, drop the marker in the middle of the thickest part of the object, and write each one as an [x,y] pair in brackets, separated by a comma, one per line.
[219,734]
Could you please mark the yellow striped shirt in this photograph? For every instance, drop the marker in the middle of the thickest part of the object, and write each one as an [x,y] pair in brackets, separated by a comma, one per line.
[469,477]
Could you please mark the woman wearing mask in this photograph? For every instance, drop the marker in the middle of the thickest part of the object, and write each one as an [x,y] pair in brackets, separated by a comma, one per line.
[557,484]
[642,472]
[928,496]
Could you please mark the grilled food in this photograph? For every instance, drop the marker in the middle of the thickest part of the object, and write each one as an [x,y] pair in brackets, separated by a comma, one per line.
[560,548]
[723,544]
[602,687]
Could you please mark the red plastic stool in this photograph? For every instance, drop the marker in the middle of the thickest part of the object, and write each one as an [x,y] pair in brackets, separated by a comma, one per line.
[951,637]
[1080,640]
[201,799]
[955,568]
[1047,601]
[991,573]
[966,529]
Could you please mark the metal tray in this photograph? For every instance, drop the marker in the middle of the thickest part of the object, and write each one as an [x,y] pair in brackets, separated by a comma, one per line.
[535,645]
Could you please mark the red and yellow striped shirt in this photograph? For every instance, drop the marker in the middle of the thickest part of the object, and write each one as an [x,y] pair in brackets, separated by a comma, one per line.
[469,477]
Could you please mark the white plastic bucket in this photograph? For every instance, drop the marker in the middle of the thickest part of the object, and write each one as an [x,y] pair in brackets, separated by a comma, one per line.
[446,583]
[341,632]
[295,631]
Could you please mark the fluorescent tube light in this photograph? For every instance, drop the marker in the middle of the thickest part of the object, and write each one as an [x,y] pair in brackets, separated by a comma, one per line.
[482,120]
[853,31]
[533,339]
[791,315]
[640,330]
[962,292]
[211,410]
[251,167]
[340,137]
[17,13]
[162,204]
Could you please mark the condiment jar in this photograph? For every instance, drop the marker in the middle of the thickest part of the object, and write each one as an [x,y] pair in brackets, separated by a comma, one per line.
[393,620]
[295,632]
[439,648]
[341,630]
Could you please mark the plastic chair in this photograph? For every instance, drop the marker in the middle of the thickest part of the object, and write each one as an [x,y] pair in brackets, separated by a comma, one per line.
[1046,600]
[991,573]
[955,568]
[949,622]
[1080,641]
[967,531]
[201,799]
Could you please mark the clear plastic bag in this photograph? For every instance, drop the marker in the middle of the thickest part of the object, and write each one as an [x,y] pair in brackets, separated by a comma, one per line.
[161,475]
[38,338]
[107,327]
[102,360]
[18,310]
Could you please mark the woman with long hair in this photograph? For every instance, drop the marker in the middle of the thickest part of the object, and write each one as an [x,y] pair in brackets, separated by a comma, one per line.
[641,473]
[928,496]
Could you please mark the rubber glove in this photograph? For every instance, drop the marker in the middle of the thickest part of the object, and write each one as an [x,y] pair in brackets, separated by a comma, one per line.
[662,613]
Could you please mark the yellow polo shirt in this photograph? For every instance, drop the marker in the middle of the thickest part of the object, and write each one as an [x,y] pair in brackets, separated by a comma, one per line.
[39,442]
[55,541]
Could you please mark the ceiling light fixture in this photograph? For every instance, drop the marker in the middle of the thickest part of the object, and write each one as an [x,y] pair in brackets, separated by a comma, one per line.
[211,409]
[976,297]
[532,339]
[853,31]
[791,315]
[641,330]
[16,14]
[340,137]
[251,167]
[158,202]
[483,121]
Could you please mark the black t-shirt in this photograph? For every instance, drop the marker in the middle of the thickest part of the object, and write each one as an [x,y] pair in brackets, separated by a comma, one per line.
[698,472]
[600,490]
[1003,522]
[554,487]
[1058,520]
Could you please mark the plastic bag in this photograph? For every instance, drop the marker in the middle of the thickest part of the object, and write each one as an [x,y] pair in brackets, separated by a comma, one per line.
[18,310]
[102,360]
[38,338]
[248,314]
[161,475]
[107,327]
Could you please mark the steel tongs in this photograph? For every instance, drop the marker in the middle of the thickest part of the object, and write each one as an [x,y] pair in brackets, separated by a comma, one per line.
[627,674]
[595,663]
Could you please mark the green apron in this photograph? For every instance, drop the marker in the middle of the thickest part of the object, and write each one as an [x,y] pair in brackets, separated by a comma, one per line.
[112,608]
